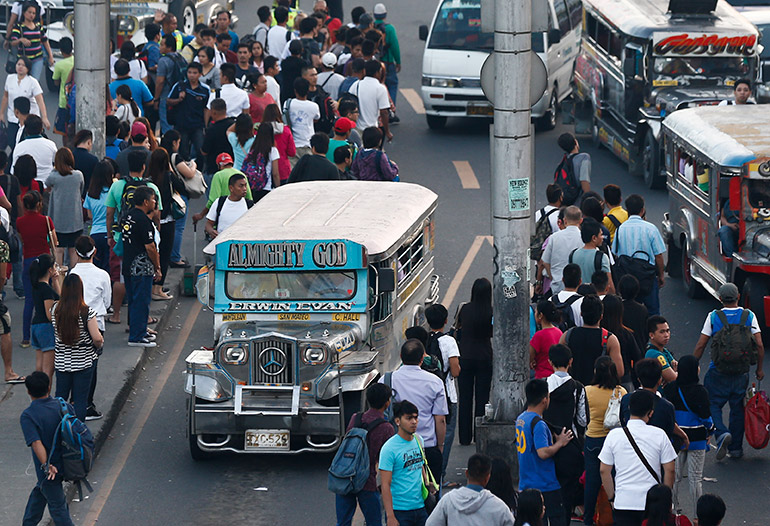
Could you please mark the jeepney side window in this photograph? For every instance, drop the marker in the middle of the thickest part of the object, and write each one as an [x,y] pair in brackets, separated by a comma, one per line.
[409,258]
[701,175]
[575,8]
[603,37]
[616,46]
[384,305]
[562,16]
[591,26]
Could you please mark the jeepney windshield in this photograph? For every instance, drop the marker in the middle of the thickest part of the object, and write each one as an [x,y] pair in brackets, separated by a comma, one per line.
[458,26]
[702,67]
[332,285]
[759,193]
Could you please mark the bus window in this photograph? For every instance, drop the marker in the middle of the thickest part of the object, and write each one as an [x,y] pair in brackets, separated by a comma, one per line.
[562,16]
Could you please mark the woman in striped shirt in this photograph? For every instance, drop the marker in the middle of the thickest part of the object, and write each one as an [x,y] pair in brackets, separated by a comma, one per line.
[77,338]
[28,37]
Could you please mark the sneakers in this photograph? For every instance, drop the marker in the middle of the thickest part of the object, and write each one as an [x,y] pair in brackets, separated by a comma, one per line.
[92,413]
[151,337]
[722,443]
[19,295]
[735,455]
[144,342]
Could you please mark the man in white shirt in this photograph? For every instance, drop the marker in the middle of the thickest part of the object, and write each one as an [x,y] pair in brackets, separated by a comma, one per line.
[373,101]
[627,493]
[328,80]
[227,210]
[271,70]
[261,30]
[237,100]
[41,149]
[276,36]
[571,277]
[301,114]
[554,194]
[560,245]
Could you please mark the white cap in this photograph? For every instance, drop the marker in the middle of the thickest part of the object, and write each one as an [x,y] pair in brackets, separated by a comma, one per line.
[329,60]
[379,9]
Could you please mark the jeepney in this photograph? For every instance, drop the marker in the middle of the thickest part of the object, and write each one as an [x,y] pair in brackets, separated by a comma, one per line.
[717,159]
[642,60]
[313,289]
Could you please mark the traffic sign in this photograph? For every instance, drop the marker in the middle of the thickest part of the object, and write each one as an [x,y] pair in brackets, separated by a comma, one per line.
[538,80]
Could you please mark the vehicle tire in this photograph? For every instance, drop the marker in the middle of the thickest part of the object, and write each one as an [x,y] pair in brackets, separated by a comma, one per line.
[549,120]
[651,162]
[436,122]
[196,452]
[354,402]
[186,16]
[693,288]
[752,297]
[674,263]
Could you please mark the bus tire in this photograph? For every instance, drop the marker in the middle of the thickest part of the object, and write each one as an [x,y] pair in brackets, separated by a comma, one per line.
[755,288]
[693,288]
[436,122]
[651,162]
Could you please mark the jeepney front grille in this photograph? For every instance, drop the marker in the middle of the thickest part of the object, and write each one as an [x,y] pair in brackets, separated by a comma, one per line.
[273,362]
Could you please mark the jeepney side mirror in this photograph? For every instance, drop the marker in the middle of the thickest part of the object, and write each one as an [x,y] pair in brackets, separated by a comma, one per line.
[202,286]
[629,67]
[423,32]
[554,36]
[735,193]
[386,280]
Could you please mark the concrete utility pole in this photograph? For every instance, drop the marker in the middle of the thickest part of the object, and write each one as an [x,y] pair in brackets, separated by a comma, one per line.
[91,41]
[512,168]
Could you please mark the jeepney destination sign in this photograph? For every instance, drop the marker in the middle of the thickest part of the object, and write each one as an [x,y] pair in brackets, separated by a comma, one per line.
[683,44]
[286,255]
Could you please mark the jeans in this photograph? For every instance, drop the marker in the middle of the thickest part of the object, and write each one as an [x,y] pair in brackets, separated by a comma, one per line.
[412,517]
[475,381]
[92,389]
[554,508]
[162,110]
[723,389]
[191,143]
[47,492]
[176,250]
[593,447]
[627,517]
[391,80]
[451,425]
[28,305]
[729,238]
[102,256]
[652,300]
[139,294]
[37,70]
[693,462]
[77,384]
[167,236]
[370,507]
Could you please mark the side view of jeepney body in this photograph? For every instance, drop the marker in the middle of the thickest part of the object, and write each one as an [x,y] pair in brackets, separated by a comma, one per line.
[312,291]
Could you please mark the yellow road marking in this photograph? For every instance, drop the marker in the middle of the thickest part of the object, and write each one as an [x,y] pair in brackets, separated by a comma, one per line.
[466,174]
[465,266]
[414,100]
[100,499]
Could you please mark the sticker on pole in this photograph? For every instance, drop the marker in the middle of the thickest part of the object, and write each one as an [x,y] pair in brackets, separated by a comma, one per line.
[510,279]
[518,195]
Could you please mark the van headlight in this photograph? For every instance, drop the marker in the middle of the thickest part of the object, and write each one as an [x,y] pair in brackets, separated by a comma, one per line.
[235,354]
[440,82]
[314,355]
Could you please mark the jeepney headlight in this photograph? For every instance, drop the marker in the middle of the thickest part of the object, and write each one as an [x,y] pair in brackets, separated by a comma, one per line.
[235,354]
[440,82]
[764,169]
[314,355]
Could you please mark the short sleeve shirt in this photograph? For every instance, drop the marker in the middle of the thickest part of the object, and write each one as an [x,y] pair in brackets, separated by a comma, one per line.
[663,357]
[403,458]
[61,71]
[585,258]
[27,87]
[713,324]
[636,234]
[40,293]
[534,472]
[449,349]
[138,231]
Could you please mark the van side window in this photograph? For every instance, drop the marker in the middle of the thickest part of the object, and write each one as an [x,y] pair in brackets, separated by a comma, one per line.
[562,16]
[575,8]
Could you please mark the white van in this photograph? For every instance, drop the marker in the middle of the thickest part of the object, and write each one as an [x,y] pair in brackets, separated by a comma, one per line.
[456,49]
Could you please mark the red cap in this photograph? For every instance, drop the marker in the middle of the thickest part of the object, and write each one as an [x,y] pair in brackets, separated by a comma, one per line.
[138,129]
[224,158]
[343,125]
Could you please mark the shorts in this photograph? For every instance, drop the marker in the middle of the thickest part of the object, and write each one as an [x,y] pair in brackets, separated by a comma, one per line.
[5,321]
[42,336]
[67,239]
[61,120]
[116,262]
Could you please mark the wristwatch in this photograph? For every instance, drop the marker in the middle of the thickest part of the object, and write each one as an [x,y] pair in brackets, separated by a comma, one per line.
[44,467]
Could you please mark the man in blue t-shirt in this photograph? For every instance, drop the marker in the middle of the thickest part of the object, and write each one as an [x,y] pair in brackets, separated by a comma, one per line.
[536,448]
[139,90]
[401,462]
[38,423]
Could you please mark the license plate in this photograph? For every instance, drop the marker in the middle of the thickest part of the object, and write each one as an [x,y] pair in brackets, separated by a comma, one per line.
[480,109]
[266,439]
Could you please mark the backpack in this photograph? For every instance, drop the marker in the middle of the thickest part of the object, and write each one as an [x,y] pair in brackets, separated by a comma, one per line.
[328,116]
[542,231]
[221,204]
[77,448]
[255,170]
[433,361]
[307,55]
[565,309]
[614,220]
[605,338]
[180,69]
[597,259]
[733,348]
[350,467]
[127,200]
[566,180]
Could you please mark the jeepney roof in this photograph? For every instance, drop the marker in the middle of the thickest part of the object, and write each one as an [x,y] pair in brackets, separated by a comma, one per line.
[728,135]
[642,18]
[377,215]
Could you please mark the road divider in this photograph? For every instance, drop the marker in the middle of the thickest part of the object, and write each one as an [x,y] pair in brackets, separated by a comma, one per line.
[414,100]
[465,266]
[467,176]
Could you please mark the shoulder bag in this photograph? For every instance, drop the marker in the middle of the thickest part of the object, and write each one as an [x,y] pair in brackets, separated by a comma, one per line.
[195,186]
[612,414]
[641,455]
[13,57]
[429,486]
[641,269]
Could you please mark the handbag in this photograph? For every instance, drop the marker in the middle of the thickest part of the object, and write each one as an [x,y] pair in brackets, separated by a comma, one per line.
[612,414]
[429,490]
[195,186]
[178,206]
[641,455]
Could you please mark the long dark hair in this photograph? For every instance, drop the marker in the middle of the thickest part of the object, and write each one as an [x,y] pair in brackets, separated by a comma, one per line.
[612,319]
[605,373]
[244,128]
[159,166]
[549,311]
[101,178]
[40,267]
[25,170]
[657,509]
[501,483]
[263,142]
[530,509]
[168,140]
[124,91]
[70,308]
[477,315]
[272,113]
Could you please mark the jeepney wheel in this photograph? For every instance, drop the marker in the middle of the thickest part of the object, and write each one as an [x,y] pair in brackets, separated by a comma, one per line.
[549,120]
[354,402]
[693,288]
[196,452]
[755,288]
[651,162]
[184,10]
[674,263]
[436,122]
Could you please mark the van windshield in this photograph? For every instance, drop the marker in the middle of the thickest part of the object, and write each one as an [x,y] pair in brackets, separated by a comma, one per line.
[335,285]
[458,26]
[701,67]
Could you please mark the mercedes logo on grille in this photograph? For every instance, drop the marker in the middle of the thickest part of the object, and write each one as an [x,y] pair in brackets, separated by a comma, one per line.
[272,361]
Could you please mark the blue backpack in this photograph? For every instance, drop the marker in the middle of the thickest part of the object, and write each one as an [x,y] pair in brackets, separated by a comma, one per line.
[350,467]
[77,448]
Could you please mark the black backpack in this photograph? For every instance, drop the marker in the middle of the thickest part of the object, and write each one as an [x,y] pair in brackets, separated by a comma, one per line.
[326,123]
[543,229]
[565,309]
[127,200]
[566,180]
[307,55]
[433,361]
[597,261]
[221,204]
[180,69]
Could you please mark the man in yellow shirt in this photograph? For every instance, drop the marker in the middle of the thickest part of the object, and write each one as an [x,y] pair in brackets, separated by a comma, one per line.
[617,214]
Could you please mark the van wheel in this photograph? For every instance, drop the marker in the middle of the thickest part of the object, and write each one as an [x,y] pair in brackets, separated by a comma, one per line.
[651,162]
[436,122]
[693,288]
[549,120]
[753,297]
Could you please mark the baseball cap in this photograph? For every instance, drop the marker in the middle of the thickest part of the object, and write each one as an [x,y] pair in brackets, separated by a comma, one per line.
[224,158]
[329,60]
[728,292]
[343,125]
[380,11]
[138,129]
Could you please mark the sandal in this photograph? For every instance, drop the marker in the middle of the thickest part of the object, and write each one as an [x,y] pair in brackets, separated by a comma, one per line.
[24,344]
[152,321]
[162,297]
[110,320]
[17,380]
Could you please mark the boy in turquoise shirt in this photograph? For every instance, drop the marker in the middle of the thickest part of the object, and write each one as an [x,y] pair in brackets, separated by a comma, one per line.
[660,334]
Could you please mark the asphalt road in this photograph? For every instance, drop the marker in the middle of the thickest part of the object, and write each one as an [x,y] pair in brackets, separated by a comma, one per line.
[145,475]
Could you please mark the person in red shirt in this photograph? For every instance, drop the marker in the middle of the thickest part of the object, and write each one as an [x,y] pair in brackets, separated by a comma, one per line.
[38,235]
[547,316]
[259,98]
